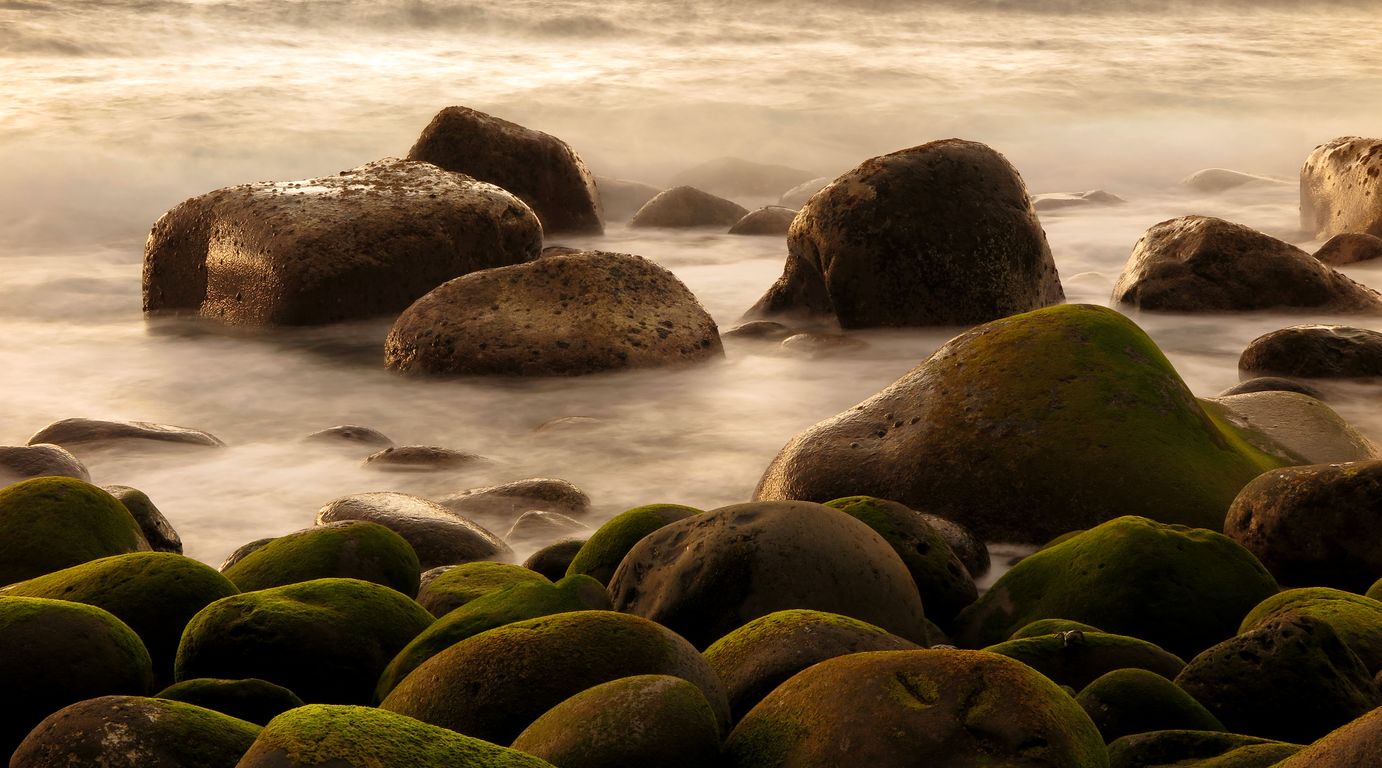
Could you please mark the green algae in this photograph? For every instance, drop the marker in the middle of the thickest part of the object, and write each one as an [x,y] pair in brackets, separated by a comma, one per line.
[51,523]
[354,549]
[605,549]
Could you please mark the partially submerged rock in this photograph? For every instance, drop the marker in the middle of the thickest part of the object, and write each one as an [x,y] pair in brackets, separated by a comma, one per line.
[83,432]
[1339,188]
[421,458]
[1272,384]
[1315,351]
[553,560]
[511,499]
[22,462]
[1348,248]
[771,220]
[1057,201]
[685,207]
[541,527]
[351,434]
[1221,179]
[437,535]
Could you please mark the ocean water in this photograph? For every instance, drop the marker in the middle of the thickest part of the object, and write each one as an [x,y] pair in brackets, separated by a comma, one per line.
[113,111]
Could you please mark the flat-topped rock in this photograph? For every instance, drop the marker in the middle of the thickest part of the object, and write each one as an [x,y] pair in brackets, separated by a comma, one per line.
[85,432]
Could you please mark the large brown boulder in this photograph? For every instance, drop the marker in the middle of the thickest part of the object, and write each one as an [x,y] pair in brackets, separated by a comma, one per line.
[1204,264]
[1339,188]
[1315,351]
[368,241]
[940,234]
[559,316]
[1350,247]
[542,170]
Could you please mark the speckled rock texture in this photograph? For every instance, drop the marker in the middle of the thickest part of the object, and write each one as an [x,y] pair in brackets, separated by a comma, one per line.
[1339,188]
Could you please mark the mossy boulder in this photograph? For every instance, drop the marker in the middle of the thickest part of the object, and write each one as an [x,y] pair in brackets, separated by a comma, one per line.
[51,523]
[1042,627]
[1196,749]
[154,593]
[605,548]
[326,640]
[253,700]
[1078,658]
[1289,678]
[517,602]
[349,549]
[1183,589]
[1127,701]
[456,586]
[494,684]
[57,653]
[1355,744]
[554,560]
[317,735]
[759,656]
[633,722]
[1356,619]
[1028,427]
[941,707]
[136,732]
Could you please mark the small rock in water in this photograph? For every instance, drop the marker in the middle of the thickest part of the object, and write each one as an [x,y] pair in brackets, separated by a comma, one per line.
[819,345]
[537,526]
[772,220]
[1271,384]
[737,176]
[1350,247]
[685,207]
[1220,179]
[420,458]
[1315,352]
[510,499]
[569,424]
[797,196]
[554,559]
[438,535]
[161,535]
[351,434]
[21,462]
[72,432]
[621,199]
[1054,201]
[1341,188]
[759,330]
[558,250]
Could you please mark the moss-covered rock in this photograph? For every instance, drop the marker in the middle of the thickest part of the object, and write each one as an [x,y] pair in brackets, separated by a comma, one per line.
[759,656]
[1355,744]
[1289,678]
[350,549]
[318,735]
[57,653]
[553,560]
[326,640]
[910,708]
[1356,619]
[136,732]
[51,523]
[1027,427]
[1181,588]
[517,602]
[1077,658]
[255,701]
[1051,627]
[455,586]
[1127,701]
[633,722]
[154,593]
[1196,749]
[494,684]
[945,584]
[605,548]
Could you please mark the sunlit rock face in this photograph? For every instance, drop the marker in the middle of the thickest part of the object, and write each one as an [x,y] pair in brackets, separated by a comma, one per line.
[1340,188]
[368,241]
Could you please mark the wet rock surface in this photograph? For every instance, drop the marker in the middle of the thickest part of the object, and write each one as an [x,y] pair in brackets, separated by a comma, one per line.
[437,535]
[1316,352]
[1339,188]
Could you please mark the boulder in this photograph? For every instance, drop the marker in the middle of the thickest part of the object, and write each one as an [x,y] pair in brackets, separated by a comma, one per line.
[51,523]
[1272,384]
[1348,248]
[1181,588]
[243,551]
[326,640]
[1057,201]
[437,536]
[940,234]
[1026,428]
[796,197]
[457,585]
[1042,627]
[770,220]
[368,241]
[136,732]
[1203,264]
[558,316]
[1355,744]
[938,707]
[737,176]
[22,462]
[822,345]
[511,499]
[1295,428]
[711,573]
[253,700]
[1315,351]
[1314,525]
[605,548]
[621,198]
[1356,619]
[535,526]
[687,207]
[1127,701]
[760,330]
[1196,749]
[421,458]
[351,434]
[349,549]
[70,433]
[1077,658]
[971,550]
[1339,188]
[160,533]
[553,560]
[1221,179]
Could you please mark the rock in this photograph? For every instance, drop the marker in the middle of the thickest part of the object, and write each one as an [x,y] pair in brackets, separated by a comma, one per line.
[633,722]
[1249,681]
[1271,384]
[21,462]
[1296,428]
[569,425]
[136,732]
[1349,248]
[519,601]
[352,434]
[511,499]
[1356,619]
[559,316]
[971,550]
[1128,701]
[796,197]
[494,684]
[940,234]
[58,653]
[1183,589]
[254,701]
[1339,190]
[460,584]
[1314,525]
[1056,201]
[542,170]
[1222,179]
[51,523]
[759,330]
[438,536]
[326,640]
[687,207]
[937,707]
[1203,264]
[366,242]
[756,658]
[349,549]
[770,220]
[421,458]
[1202,749]
[160,533]
[558,250]
[1357,743]
[153,593]
[542,527]
[823,345]
[1026,428]
[1077,658]
[606,548]
[69,433]
[552,560]
[243,551]
[736,176]
[316,736]
[1315,351]
[1042,627]
[621,198]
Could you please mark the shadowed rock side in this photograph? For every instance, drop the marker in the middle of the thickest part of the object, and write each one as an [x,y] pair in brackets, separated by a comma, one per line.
[1029,427]
[542,170]
[558,316]
[368,241]
[1315,352]
[1348,248]
[1340,190]
[1204,264]
[939,234]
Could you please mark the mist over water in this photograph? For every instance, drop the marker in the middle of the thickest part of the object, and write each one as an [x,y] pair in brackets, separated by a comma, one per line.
[113,112]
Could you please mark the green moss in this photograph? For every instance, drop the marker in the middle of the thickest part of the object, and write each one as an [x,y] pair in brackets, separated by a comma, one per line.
[604,550]
[1077,659]
[353,549]
[197,735]
[1357,620]
[51,523]
[464,583]
[1050,627]
[255,701]
[1128,701]
[1197,749]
